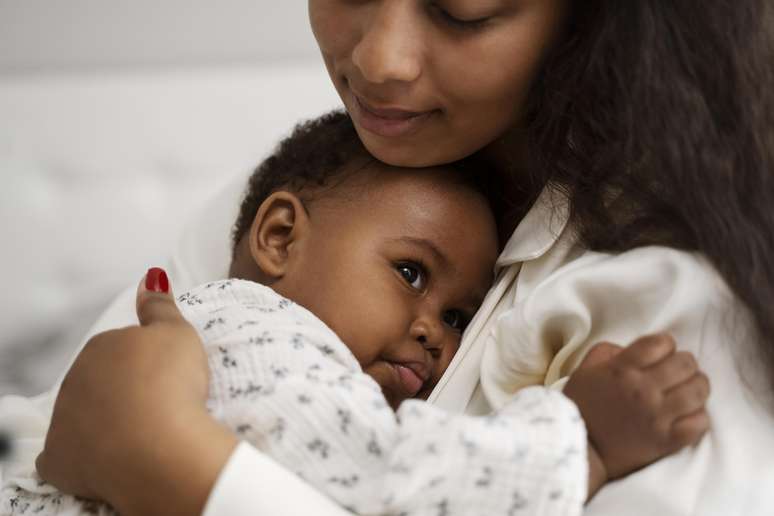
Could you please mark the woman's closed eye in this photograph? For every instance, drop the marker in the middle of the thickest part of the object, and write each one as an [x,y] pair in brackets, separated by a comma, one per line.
[413,273]
[459,23]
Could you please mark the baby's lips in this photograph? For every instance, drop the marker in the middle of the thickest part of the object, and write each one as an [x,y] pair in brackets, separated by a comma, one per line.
[411,381]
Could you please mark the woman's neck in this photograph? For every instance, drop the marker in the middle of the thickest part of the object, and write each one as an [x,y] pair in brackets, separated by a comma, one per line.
[508,156]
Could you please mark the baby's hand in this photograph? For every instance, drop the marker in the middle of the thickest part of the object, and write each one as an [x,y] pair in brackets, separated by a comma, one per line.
[639,403]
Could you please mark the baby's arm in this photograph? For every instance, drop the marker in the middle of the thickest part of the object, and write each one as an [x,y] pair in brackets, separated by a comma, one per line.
[301,398]
[343,438]
[639,404]
[528,458]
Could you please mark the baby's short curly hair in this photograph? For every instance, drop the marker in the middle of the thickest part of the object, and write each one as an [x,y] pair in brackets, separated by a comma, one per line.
[320,150]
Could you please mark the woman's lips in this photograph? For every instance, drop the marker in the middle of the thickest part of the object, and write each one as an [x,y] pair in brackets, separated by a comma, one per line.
[411,381]
[387,122]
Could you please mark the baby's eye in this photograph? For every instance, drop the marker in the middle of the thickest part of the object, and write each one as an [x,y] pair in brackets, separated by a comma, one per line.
[413,274]
[455,319]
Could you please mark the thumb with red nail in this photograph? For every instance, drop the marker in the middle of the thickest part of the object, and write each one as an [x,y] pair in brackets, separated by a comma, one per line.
[156,280]
[155,303]
[131,410]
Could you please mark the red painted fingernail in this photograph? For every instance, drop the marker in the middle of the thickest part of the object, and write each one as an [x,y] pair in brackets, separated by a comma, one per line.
[156,280]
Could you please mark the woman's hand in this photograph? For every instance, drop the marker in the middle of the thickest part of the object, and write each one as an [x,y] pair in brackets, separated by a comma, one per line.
[130,425]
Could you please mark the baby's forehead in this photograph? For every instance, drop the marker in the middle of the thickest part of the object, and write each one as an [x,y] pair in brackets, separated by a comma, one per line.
[423,215]
[420,198]
[419,203]
[437,203]
[373,182]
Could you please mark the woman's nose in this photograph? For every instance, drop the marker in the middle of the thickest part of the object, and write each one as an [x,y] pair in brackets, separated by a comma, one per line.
[390,49]
[428,331]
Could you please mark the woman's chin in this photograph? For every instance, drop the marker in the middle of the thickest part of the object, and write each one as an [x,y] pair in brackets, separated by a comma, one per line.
[408,152]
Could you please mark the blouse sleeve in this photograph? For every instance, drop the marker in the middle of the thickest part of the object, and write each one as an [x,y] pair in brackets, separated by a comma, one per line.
[252,484]
[617,298]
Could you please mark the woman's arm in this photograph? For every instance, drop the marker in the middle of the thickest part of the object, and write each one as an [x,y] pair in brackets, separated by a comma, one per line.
[130,427]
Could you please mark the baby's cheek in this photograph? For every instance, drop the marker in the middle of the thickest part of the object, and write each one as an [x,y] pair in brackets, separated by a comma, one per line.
[447,355]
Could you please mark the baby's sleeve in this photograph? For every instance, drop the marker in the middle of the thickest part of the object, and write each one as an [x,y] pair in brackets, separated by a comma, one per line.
[294,391]
[528,458]
[335,430]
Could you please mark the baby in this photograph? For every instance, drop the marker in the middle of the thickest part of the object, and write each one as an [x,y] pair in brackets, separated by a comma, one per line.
[352,282]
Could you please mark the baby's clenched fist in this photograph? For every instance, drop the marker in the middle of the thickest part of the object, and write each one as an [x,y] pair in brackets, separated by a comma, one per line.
[639,403]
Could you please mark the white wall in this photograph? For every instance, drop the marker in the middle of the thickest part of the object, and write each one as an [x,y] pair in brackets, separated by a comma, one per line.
[118,118]
[45,35]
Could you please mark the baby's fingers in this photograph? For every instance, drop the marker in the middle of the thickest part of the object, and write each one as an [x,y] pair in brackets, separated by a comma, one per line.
[687,398]
[647,351]
[673,370]
[600,354]
[689,429]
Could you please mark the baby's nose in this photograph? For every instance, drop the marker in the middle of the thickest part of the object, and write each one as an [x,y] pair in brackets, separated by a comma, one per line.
[429,333]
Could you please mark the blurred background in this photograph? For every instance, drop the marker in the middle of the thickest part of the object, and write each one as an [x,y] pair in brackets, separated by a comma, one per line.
[117,121]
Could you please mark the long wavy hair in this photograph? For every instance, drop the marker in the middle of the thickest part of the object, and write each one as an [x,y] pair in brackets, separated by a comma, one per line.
[657,118]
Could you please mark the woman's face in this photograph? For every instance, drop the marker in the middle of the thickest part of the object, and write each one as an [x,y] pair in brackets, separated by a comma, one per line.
[430,82]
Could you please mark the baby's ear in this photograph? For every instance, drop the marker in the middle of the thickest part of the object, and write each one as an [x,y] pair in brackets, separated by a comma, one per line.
[280,222]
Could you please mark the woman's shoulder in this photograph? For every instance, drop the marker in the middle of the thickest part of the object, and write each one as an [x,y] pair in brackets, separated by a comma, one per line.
[591,296]
[642,272]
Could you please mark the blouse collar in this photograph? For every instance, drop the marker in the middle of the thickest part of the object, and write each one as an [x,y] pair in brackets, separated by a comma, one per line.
[539,229]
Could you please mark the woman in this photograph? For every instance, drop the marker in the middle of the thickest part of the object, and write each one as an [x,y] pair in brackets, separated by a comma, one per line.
[639,140]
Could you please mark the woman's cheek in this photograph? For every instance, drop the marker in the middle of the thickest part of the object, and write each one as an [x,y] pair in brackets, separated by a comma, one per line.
[334,27]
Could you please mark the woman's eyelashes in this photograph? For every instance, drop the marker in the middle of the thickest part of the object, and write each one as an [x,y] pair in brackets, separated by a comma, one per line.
[453,21]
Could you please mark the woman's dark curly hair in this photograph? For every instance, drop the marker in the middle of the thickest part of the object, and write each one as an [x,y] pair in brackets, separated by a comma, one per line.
[323,150]
[657,119]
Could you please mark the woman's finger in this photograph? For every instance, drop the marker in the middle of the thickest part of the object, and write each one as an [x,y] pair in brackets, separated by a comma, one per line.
[155,302]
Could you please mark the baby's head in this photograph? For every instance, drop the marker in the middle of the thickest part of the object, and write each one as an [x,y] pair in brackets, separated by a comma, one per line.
[394,260]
